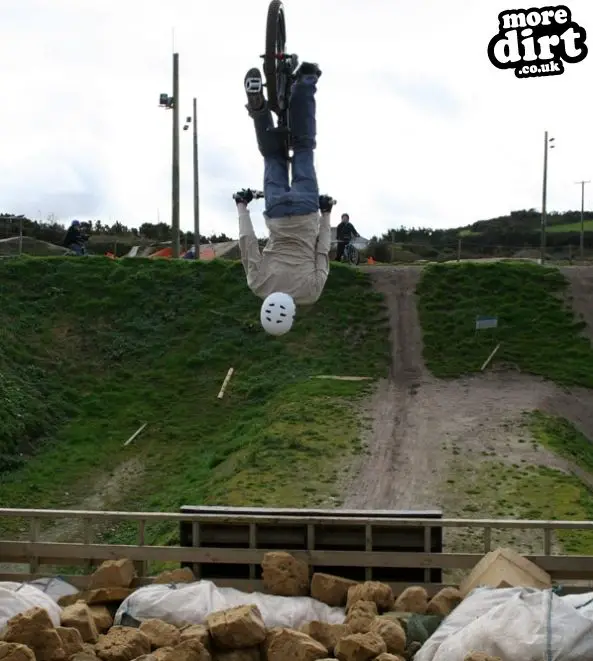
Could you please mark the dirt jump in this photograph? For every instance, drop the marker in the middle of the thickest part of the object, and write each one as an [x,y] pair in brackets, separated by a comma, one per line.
[420,422]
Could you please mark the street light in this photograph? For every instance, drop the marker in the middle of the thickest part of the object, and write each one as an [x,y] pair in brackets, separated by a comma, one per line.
[582,241]
[547,146]
[172,103]
[196,173]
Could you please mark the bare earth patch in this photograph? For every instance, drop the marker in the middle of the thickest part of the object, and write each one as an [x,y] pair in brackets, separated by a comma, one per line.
[426,430]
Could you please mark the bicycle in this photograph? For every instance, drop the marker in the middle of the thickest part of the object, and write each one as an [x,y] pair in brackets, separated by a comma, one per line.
[351,254]
[279,68]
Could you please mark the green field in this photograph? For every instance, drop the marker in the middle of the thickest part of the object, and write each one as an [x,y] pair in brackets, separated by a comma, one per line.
[572,227]
[536,331]
[94,348]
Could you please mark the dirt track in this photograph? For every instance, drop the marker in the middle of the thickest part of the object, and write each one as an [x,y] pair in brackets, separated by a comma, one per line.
[421,421]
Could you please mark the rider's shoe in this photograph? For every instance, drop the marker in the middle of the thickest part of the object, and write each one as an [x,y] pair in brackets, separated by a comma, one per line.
[308,69]
[254,88]
[326,202]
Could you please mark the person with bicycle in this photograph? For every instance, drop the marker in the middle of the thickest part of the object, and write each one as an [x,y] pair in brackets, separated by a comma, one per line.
[345,232]
[75,238]
[295,260]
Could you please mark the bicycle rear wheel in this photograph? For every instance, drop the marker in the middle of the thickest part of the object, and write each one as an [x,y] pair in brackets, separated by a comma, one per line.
[353,256]
[276,79]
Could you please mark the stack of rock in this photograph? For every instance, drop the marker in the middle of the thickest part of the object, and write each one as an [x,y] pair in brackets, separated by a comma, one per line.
[374,628]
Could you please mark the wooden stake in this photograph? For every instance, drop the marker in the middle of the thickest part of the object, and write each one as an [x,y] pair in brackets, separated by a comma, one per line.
[133,436]
[344,378]
[490,357]
[225,383]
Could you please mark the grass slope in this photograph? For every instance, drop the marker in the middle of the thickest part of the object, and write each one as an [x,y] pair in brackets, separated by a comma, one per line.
[93,348]
[537,332]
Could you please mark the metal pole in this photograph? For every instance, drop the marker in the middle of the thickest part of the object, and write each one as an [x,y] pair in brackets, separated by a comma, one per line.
[175,168]
[21,235]
[196,183]
[544,194]
[582,241]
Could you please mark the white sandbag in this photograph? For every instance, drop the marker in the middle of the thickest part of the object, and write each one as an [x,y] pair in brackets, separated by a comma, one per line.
[17,598]
[477,603]
[193,602]
[530,626]
[582,602]
[54,587]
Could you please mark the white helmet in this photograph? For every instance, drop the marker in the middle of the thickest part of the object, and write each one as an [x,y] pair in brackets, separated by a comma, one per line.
[277,313]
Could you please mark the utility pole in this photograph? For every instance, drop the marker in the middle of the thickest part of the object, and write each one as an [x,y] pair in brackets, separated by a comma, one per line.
[172,103]
[196,182]
[582,244]
[547,146]
[175,172]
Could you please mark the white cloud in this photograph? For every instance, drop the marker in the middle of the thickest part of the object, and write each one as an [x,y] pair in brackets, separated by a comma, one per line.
[415,124]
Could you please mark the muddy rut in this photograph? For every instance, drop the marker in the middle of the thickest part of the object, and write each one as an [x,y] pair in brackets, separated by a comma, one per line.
[417,418]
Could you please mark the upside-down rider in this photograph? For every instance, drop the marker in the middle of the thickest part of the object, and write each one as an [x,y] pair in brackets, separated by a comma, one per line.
[295,260]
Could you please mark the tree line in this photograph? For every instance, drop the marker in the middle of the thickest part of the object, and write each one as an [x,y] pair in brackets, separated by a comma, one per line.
[53,231]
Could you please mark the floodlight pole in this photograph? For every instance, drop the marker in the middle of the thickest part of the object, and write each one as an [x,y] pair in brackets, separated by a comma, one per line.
[582,241]
[544,196]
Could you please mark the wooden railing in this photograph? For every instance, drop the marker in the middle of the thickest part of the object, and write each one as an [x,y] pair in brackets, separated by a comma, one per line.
[37,553]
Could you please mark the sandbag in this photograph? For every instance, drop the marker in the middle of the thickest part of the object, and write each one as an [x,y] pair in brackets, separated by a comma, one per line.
[582,602]
[478,602]
[54,587]
[17,598]
[193,602]
[529,625]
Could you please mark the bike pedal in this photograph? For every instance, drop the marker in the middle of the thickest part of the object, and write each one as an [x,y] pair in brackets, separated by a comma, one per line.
[253,85]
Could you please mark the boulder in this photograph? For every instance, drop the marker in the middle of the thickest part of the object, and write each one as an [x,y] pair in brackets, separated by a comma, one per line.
[199,631]
[99,596]
[196,631]
[445,601]
[386,656]
[79,616]
[360,647]
[282,644]
[326,634]
[16,652]
[380,593]
[329,589]
[412,600]
[248,654]
[122,644]
[284,575]
[360,616]
[84,656]
[160,633]
[35,629]
[184,575]
[392,633]
[113,574]
[71,640]
[237,628]
[102,617]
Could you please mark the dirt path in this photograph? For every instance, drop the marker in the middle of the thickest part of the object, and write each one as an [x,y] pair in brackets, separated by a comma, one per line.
[421,423]
[581,291]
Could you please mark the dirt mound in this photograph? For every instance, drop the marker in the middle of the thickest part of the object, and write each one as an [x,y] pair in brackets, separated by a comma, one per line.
[580,290]
[422,423]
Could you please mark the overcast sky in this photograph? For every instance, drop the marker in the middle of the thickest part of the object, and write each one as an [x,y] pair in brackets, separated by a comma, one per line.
[416,126]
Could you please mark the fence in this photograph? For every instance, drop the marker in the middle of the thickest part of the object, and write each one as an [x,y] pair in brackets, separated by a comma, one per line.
[38,554]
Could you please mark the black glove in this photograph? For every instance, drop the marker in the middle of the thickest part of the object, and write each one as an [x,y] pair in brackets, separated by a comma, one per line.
[244,196]
[326,203]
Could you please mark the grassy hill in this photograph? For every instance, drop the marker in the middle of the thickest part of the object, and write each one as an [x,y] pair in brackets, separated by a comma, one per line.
[94,348]
[537,332]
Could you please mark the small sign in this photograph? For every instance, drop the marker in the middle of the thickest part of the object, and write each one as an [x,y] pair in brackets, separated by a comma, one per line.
[486,322]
